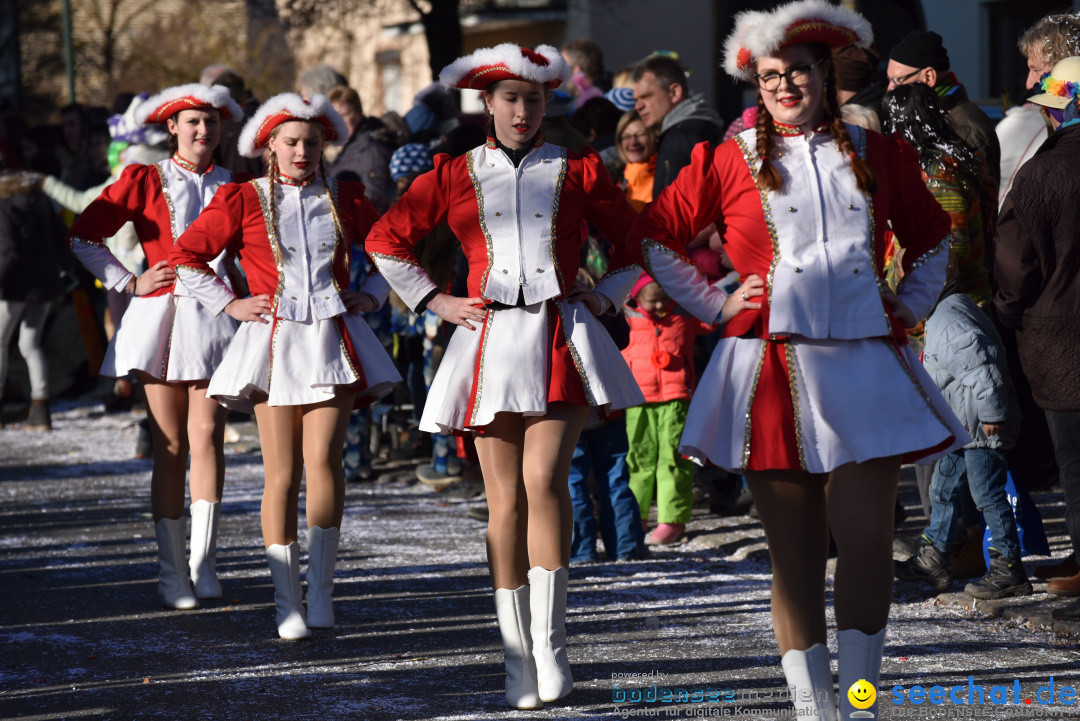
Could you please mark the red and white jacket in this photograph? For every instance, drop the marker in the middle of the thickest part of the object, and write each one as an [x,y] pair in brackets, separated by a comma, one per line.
[302,262]
[521,228]
[819,242]
[161,200]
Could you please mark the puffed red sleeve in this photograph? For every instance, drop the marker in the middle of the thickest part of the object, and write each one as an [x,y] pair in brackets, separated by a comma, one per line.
[218,225]
[607,209]
[118,203]
[922,228]
[664,227]
[359,216]
[390,242]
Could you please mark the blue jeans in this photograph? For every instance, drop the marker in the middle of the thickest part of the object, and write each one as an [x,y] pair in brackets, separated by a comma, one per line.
[984,471]
[603,449]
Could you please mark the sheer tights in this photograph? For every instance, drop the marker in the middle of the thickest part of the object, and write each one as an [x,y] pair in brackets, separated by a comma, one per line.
[797,510]
[294,439]
[183,422]
[526,465]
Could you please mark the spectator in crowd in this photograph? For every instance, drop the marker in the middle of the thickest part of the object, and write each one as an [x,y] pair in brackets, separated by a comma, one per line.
[661,356]
[1021,132]
[142,144]
[434,114]
[601,453]
[957,178]
[636,144]
[32,258]
[230,129]
[597,120]
[858,80]
[365,157]
[922,58]
[964,356]
[70,151]
[621,98]
[319,80]
[1023,129]
[1037,268]
[586,61]
[955,175]
[663,101]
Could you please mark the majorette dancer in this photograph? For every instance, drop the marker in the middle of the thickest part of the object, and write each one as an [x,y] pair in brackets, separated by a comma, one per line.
[812,393]
[303,353]
[167,338]
[530,359]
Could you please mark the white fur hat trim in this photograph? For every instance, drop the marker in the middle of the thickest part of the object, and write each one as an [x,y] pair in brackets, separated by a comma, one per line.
[759,34]
[159,108]
[283,108]
[503,61]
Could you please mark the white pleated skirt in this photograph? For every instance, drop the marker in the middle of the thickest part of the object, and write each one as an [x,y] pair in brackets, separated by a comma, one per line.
[506,365]
[853,400]
[291,363]
[171,338]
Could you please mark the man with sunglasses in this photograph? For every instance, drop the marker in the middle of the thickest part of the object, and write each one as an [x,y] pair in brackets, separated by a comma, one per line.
[921,58]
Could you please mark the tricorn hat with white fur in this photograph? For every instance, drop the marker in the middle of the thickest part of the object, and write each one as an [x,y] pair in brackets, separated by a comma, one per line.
[506,62]
[194,96]
[285,107]
[759,34]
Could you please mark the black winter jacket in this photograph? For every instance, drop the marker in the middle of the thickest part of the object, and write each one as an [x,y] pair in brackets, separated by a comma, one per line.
[32,249]
[1037,268]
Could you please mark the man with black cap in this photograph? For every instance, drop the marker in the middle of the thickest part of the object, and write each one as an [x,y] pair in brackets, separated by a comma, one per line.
[921,58]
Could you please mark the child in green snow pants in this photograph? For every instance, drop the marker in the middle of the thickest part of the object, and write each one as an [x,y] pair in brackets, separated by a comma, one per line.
[656,468]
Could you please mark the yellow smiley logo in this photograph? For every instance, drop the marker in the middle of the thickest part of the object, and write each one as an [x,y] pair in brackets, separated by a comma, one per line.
[861,694]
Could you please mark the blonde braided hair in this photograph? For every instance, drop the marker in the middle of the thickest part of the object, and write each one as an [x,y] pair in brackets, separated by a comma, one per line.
[271,176]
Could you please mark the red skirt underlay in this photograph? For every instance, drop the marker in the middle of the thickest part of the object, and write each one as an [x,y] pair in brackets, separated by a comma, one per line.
[772,415]
[773,444]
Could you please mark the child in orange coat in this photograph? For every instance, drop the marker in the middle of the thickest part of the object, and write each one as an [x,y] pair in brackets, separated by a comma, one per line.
[661,357]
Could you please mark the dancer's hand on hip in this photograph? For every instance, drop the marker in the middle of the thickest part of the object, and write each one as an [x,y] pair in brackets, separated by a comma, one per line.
[250,309]
[460,311]
[356,302]
[160,276]
[743,298]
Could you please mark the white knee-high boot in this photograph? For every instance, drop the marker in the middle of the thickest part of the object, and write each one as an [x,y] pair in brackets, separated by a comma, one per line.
[859,658]
[203,562]
[809,679]
[547,604]
[172,581]
[322,557]
[512,612]
[288,598]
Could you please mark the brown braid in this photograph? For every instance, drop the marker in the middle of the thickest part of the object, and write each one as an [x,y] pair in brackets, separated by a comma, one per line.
[864,176]
[768,177]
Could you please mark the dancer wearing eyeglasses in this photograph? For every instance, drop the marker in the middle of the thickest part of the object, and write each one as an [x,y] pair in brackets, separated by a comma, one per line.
[812,392]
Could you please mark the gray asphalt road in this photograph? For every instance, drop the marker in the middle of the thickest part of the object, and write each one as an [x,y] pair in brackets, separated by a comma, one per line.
[82,635]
